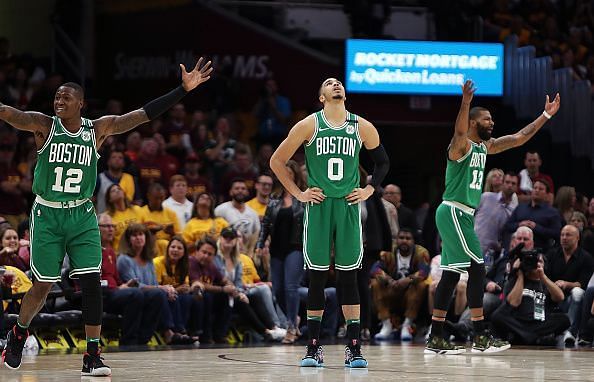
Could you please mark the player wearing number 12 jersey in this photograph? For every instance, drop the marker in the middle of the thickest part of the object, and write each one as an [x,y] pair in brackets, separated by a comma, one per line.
[63,219]
[454,217]
[332,221]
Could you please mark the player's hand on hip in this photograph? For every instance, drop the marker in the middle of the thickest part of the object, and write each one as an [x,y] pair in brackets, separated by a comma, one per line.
[359,195]
[199,75]
[314,195]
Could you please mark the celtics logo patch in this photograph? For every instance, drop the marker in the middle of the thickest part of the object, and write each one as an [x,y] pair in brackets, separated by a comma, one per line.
[86,136]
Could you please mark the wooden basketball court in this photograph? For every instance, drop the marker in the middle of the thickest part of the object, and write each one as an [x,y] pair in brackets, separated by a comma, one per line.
[389,362]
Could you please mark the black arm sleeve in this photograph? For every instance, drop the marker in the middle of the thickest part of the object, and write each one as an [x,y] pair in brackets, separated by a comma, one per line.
[381,165]
[160,105]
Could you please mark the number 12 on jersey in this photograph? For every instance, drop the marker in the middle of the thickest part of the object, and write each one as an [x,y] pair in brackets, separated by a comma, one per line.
[71,183]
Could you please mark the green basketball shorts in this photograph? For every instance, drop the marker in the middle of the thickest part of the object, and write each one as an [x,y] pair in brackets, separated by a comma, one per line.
[57,231]
[332,224]
[460,245]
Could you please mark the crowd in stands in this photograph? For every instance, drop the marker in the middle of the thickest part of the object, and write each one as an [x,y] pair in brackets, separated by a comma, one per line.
[560,29]
[198,236]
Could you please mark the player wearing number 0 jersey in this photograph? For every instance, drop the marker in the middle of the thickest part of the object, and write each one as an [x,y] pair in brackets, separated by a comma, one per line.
[461,251]
[332,161]
[63,219]
[332,220]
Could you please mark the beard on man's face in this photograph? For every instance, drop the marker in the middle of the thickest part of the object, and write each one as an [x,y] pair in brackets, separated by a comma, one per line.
[483,133]
[404,248]
[239,198]
[337,96]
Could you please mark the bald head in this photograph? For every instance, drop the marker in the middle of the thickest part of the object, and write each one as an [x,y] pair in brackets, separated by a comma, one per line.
[393,194]
[570,237]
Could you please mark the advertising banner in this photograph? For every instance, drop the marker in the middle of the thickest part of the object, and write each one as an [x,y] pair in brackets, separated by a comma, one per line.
[423,67]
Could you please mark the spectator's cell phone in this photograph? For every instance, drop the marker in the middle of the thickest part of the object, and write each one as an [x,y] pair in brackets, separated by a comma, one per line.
[2,271]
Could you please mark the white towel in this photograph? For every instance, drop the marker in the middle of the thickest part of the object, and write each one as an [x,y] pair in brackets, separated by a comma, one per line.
[525,181]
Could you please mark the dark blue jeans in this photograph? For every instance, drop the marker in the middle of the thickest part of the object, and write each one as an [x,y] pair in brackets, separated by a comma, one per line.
[286,279]
[585,330]
[216,316]
[140,310]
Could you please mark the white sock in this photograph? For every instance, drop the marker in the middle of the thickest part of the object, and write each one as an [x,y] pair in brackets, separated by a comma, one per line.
[407,322]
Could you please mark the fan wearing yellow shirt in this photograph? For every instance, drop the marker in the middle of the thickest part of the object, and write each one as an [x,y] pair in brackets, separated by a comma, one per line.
[263,190]
[173,269]
[203,222]
[122,212]
[160,221]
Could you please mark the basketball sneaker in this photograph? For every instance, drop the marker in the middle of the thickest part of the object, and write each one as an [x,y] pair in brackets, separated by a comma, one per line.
[93,366]
[314,356]
[486,343]
[353,357]
[439,345]
[13,350]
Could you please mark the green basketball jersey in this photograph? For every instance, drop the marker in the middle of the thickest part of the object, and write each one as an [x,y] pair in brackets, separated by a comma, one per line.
[464,177]
[332,156]
[66,166]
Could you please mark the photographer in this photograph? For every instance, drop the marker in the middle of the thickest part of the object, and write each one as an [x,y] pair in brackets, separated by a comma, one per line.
[526,313]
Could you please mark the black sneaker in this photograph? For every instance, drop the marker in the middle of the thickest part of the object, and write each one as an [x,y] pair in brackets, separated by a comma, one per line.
[439,345]
[486,343]
[353,357]
[314,356]
[584,342]
[93,366]
[13,350]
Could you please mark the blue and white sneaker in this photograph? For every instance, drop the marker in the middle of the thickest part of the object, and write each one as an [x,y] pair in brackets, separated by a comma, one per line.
[353,357]
[314,356]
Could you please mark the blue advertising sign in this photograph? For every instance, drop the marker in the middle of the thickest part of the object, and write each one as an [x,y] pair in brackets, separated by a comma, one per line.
[423,67]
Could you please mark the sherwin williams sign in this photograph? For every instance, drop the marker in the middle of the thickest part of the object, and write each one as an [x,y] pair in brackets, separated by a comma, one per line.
[423,67]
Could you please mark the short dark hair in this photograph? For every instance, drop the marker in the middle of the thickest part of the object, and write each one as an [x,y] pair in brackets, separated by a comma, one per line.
[236,180]
[77,88]
[512,173]
[407,230]
[476,111]
[206,240]
[546,184]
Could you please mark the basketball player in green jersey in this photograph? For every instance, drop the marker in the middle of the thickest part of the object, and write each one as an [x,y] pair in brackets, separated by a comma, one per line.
[461,251]
[63,218]
[332,221]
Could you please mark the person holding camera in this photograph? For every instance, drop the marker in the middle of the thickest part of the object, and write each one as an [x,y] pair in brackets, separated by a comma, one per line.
[570,267]
[499,272]
[526,317]
[398,284]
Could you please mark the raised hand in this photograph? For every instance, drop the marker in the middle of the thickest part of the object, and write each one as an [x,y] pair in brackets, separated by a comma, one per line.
[199,75]
[468,90]
[552,107]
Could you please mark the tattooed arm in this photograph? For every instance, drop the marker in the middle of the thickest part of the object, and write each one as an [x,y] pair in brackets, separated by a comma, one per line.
[118,124]
[459,144]
[37,123]
[497,145]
